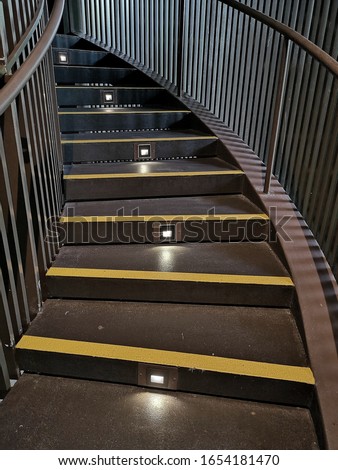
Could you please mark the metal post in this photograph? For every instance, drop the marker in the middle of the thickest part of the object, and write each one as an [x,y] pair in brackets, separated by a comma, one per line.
[180,46]
[75,11]
[277,117]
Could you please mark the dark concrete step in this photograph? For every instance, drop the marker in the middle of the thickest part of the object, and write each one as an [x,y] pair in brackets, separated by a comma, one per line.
[65,56]
[185,219]
[214,273]
[101,75]
[51,416]
[116,342]
[114,96]
[109,119]
[183,177]
[66,41]
[110,146]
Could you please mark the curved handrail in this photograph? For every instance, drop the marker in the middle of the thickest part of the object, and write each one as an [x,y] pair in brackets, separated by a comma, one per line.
[18,80]
[316,52]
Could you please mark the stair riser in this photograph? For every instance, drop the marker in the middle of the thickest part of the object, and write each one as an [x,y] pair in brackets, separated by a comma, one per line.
[90,58]
[113,77]
[112,151]
[145,232]
[170,291]
[118,121]
[189,380]
[81,96]
[123,188]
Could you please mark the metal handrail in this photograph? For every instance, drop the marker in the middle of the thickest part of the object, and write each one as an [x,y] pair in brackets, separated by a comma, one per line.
[316,52]
[288,34]
[18,80]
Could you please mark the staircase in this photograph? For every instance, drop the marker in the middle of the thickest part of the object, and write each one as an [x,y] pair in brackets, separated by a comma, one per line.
[166,283]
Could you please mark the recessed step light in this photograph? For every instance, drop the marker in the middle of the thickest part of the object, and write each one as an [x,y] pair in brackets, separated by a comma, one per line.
[63,57]
[157,376]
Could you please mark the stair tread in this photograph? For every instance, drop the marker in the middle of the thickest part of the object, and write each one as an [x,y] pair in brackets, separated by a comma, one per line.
[195,205]
[143,168]
[246,259]
[266,334]
[127,417]
[137,136]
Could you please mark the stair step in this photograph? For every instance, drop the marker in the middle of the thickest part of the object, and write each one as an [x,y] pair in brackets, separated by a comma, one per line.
[66,41]
[109,341]
[126,417]
[188,219]
[183,177]
[101,75]
[218,273]
[87,95]
[109,146]
[107,119]
[65,56]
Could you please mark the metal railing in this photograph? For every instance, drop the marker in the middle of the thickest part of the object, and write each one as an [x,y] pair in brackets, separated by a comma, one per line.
[30,168]
[255,70]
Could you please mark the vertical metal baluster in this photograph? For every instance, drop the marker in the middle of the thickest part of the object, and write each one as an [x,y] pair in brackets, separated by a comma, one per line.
[15,244]
[278,108]
[37,170]
[12,311]
[109,37]
[7,335]
[31,254]
[55,120]
[55,164]
[53,137]
[132,23]
[41,164]
[180,46]
[5,384]
[46,142]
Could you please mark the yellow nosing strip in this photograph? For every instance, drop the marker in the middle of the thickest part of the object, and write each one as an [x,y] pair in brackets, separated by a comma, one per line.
[152,175]
[170,276]
[149,139]
[112,111]
[164,218]
[222,365]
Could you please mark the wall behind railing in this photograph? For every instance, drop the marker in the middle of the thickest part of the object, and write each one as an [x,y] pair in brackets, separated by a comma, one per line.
[230,64]
[30,175]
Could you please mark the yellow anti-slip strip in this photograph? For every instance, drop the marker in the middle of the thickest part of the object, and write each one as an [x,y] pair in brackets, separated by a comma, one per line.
[112,111]
[170,276]
[149,139]
[152,175]
[222,365]
[167,218]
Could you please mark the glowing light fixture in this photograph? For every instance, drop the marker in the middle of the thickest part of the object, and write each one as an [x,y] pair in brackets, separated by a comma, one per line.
[63,58]
[167,233]
[157,379]
[144,152]
[108,97]
[157,376]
